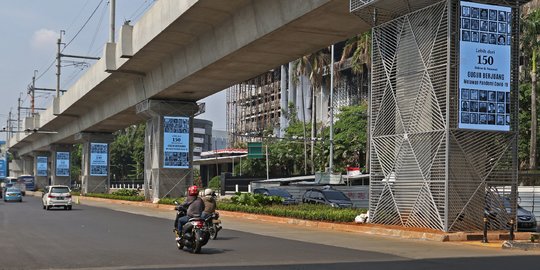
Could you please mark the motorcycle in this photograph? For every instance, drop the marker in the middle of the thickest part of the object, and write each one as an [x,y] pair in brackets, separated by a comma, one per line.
[214,225]
[195,233]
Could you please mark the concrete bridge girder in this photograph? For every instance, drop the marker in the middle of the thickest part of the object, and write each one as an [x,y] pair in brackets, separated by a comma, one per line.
[188,51]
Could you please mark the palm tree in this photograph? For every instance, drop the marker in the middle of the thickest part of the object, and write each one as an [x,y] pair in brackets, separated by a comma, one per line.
[358,50]
[531,45]
[312,66]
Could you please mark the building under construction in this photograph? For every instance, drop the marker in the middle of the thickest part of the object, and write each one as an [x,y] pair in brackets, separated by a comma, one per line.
[257,104]
[253,106]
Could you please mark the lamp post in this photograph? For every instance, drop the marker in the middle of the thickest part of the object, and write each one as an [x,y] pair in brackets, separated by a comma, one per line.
[331,163]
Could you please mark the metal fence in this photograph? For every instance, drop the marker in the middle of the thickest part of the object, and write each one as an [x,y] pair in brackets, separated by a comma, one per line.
[425,171]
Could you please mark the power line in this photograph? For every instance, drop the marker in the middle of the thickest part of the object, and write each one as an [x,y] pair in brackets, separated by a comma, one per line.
[142,11]
[137,10]
[84,25]
[100,21]
[78,32]
[78,15]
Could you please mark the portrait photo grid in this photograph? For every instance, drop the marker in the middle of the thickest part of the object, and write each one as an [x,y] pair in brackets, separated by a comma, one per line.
[102,150]
[175,158]
[486,26]
[485,107]
[176,125]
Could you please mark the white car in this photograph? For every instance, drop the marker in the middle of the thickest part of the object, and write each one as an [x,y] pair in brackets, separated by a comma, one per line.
[56,196]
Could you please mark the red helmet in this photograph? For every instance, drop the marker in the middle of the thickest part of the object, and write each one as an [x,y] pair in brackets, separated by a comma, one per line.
[193,191]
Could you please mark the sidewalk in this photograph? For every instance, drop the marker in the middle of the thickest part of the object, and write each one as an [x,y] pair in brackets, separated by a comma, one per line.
[496,239]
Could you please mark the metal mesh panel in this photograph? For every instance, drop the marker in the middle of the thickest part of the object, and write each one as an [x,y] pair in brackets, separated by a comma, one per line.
[424,171]
[408,124]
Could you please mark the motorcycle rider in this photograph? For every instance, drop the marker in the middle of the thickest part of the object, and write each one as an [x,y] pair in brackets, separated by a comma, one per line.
[194,205]
[210,204]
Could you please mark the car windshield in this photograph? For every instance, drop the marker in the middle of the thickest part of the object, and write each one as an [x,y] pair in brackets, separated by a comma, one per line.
[279,192]
[13,190]
[59,190]
[335,195]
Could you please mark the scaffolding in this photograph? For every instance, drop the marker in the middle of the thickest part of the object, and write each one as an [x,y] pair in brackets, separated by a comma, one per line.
[253,106]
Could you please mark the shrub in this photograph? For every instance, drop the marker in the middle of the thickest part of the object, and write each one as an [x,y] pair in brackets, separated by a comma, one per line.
[251,199]
[126,192]
[215,183]
[115,197]
[302,211]
[171,200]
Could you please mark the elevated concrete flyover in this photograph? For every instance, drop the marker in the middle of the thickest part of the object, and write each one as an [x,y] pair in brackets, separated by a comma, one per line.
[178,53]
[186,50]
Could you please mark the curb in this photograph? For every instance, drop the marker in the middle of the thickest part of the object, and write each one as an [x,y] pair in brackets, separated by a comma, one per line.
[373,229]
[521,245]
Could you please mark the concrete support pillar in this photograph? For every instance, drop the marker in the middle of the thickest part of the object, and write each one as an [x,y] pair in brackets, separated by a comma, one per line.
[15,167]
[28,165]
[42,172]
[95,158]
[168,154]
[291,85]
[60,164]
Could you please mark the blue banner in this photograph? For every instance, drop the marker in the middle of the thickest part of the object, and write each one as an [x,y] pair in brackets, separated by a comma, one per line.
[3,168]
[62,163]
[42,166]
[99,159]
[176,142]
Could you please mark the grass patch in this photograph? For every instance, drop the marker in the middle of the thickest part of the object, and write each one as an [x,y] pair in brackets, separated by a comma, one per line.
[301,211]
[116,197]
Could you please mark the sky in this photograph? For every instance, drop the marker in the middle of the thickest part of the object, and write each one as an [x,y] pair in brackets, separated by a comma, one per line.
[29,31]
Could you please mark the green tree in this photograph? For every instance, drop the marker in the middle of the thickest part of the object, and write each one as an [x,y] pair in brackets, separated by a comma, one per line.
[76,162]
[127,153]
[313,66]
[358,50]
[349,139]
[531,45]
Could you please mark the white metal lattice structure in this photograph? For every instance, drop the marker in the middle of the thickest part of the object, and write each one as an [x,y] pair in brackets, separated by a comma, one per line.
[425,172]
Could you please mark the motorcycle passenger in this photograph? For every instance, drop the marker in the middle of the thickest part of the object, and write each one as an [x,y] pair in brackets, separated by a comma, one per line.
[194,206]
[210,204]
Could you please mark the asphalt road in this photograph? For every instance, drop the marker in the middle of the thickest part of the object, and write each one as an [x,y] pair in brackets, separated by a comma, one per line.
[90,237]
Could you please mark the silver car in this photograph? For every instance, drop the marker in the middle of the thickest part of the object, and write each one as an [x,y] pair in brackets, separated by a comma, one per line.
[57,196]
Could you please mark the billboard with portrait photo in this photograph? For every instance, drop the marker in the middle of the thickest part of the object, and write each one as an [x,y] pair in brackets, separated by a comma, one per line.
[176,142]
[99,159]
[62,163]
[484,69]
[42,163]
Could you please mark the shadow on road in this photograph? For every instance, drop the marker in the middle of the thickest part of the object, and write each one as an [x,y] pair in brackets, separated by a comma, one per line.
[224,238]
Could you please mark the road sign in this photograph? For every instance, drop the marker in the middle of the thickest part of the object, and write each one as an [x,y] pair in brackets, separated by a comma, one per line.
[255,150]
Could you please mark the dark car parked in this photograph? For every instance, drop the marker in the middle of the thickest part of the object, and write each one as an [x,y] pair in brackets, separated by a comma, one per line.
[287,197]
[526,221]
[328,196]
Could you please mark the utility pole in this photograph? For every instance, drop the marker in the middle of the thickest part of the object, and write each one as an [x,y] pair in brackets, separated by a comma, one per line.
[58,62]
[331,163]
[59,56]
[8,131]
[19,114]
[33,93]
[112,20]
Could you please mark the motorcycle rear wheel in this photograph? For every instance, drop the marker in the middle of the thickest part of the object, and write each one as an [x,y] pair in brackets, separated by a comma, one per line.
[197,245]
[213,231]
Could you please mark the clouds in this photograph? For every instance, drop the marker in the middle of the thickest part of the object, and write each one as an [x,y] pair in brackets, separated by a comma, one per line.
[44,40]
